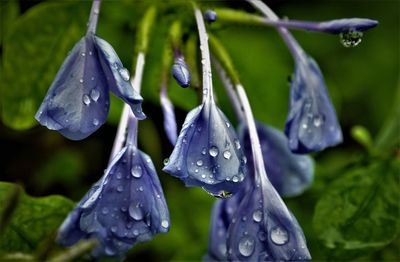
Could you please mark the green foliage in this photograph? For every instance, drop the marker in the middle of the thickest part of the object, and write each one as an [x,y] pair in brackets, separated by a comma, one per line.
[359,213]
[33,221]
[34,49]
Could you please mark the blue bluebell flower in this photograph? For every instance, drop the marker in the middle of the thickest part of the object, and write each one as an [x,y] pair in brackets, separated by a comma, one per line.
[169,116]
[289,173]
[210,16]
[208,153]
[124,207]
[77,102]
[312,123]
[180,72]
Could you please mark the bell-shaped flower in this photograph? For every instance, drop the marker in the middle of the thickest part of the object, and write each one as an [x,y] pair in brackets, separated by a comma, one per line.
[169,116]
[263,228]
[289,173]
[180,72]
[77,102]
[312,124]
[208,153]
[124,207]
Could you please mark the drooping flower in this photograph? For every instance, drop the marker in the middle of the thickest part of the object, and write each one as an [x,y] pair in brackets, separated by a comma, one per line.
[312,124]
[208,153]
[124,207]
[289,173]
[210,16]
[180,72]
[169,116]
[77,102]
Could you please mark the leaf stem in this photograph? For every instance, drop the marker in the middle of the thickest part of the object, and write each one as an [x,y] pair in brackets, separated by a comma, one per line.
[93,17]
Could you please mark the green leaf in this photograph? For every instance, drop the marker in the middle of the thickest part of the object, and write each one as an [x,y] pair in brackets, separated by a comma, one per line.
[34,50]
[359,213]
[8,13]
[33,221]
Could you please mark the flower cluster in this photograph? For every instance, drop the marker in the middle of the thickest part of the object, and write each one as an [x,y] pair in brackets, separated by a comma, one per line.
[251,167]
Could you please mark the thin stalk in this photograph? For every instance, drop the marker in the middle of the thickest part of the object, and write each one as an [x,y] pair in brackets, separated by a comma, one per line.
[205,57]
[93,17]
[230,89]
[291,42]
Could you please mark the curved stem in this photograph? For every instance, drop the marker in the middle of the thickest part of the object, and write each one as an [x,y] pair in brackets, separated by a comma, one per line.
[93,17]
[205,56]
[230,89]
[291,42]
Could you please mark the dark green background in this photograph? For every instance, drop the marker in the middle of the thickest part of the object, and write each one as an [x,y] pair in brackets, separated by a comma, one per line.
[363,83]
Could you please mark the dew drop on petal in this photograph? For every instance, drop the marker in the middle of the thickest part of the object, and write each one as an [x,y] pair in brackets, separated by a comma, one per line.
[318,120]
[95,122]
[203,151]
[246,246]
[227,154]
[199,162]
[94,94]
[237,143]
[235,179]
[257,215]
[213,151]
[166,161]
[165,224]
[136,171]
[104,211]
[120,188]
[227,124]
[81,80]
[113,229]
[124,73]
[135,212]
[279,235]
[86,99]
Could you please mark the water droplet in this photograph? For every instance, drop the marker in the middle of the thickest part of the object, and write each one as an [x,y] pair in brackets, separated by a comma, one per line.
[235,179]
[92,78]
[166,161]
[120,188]
[318,120]
[351,38]
[203,176]
[213,151]
[109,251]
[199,162]
[94,94]
[279,235]
[119,175]
[203,151]
[165,224]
[83,54]
[246,246]
[257,216]
[113,229]
[124,73]
[141,189]
[95,122]
[104,211]
[136,232]
[222,248]
[227,154]
[304,126]
[237,143]
[262,236]
[244,159]
[135,212]
[136,171]
[227,124]
[205,91]
[81,80]
[86,99]
[90,53]
[124,209]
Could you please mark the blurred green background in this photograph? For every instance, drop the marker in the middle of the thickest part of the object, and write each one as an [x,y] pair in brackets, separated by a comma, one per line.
[350,213]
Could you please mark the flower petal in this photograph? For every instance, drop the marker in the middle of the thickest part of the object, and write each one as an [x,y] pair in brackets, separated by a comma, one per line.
[118,77]
[125,207]
[312,124]
[263,229]
[344,25]
[206,153]
[169,116]
[77,102]
[289,173]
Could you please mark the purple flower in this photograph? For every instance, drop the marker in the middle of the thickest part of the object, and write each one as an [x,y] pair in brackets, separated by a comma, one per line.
[210,16]
[124,207]
[289,173]
[77,102]
[312,124]
[263,228]
[169,116]
[208,153]
[180,72]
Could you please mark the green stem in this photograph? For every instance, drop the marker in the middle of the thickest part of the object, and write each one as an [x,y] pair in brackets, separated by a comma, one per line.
[76,251]
[145,27]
